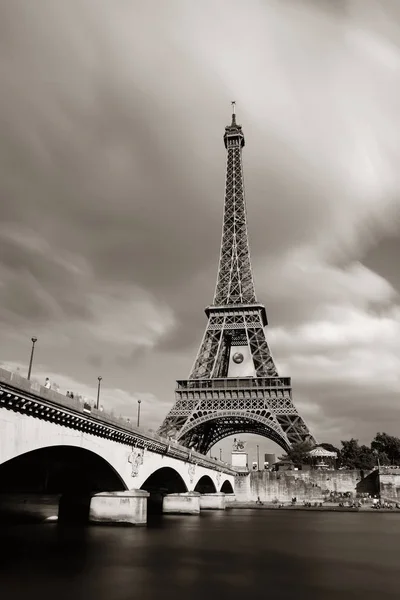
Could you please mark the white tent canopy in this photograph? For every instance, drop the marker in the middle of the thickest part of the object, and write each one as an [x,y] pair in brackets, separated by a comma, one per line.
[320,452]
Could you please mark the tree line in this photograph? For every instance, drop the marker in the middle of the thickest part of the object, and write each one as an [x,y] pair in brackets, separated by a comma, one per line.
[383,450]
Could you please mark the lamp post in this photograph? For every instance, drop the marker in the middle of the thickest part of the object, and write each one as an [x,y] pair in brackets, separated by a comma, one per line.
[220,454]
[138,412]
[33,340]
[98,392]
[258,457]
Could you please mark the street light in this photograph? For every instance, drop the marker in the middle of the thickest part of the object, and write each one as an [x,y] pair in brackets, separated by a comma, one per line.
[33,340]
[220,454]
[138,412]
[98,392]
[258,457]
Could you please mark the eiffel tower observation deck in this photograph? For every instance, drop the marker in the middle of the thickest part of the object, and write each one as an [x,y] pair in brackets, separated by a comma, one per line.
[234,386]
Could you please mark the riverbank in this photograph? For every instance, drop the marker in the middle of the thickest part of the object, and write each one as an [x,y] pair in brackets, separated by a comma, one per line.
[323,508]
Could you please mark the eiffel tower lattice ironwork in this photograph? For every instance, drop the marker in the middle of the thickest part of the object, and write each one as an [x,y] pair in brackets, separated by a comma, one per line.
[234,386]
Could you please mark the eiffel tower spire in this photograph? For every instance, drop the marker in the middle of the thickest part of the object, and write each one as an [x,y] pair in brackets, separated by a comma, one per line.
[234,386]
[235,278]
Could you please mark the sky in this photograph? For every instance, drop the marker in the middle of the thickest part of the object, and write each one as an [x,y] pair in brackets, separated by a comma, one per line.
[112,183]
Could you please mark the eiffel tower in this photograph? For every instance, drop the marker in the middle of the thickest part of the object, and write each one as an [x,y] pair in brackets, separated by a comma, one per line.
[234,386]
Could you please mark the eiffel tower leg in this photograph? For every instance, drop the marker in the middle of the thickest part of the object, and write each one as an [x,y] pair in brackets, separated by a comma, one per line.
[262,358]
[205,361]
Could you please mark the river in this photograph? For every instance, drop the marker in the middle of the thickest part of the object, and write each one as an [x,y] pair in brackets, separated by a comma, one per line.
[238,554]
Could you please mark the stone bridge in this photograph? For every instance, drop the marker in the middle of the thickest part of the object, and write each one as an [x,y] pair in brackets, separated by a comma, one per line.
[54,449]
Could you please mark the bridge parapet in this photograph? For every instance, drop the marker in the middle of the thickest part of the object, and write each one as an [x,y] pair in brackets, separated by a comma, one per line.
[27,397]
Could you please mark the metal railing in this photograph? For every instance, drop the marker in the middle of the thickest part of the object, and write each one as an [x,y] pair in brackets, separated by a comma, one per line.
[249,383]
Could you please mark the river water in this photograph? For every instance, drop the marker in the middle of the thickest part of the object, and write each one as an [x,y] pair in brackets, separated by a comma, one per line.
[246,554]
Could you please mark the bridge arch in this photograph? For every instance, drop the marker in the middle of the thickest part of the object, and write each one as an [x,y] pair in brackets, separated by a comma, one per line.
[165,480]
[57,470]
[161,482]
[205,485]
[226,487]
[208,428]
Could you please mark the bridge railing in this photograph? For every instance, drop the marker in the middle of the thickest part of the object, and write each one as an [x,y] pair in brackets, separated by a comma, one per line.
[13,384]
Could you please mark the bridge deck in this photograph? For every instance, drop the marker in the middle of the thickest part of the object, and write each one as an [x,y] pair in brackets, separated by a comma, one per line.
[31,398]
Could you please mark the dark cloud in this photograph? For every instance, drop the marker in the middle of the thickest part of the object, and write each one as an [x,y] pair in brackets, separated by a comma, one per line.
[112,176]
[379,258]
[94,360]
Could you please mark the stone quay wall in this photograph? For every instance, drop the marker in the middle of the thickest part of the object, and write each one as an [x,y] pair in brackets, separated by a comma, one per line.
[312,485]
[389,485]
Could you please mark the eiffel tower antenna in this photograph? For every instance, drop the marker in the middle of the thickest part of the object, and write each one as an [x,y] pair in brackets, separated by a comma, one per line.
[234,386]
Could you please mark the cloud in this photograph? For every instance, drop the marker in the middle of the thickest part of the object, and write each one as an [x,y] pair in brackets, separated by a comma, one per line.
[112,176]
[37,282]
[301,286]
[344,358]
[129,317]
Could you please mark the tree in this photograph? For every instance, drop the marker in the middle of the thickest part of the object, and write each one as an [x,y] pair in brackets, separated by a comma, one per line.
[298,454]
[354,456]
[387,446]
[367,459]
[329,447]
[384,450]
[350,453]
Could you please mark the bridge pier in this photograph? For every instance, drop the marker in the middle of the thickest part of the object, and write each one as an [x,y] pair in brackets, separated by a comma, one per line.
[230,498]
[187,503]
[215,501]
[128,507]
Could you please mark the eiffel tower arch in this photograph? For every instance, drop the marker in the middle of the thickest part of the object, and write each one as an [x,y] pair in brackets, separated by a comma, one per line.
[234,386]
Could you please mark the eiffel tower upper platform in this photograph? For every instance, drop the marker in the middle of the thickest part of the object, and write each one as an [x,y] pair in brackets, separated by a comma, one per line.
[234,386]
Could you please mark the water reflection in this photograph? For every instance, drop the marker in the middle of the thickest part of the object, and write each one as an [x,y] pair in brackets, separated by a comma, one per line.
[275,554]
